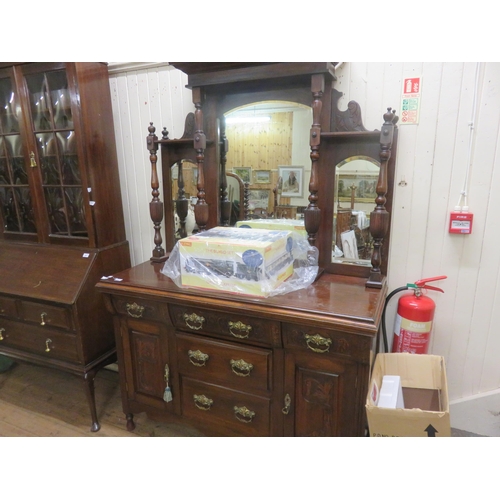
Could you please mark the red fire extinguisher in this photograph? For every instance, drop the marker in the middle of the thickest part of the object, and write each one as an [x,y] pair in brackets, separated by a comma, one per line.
[415,314]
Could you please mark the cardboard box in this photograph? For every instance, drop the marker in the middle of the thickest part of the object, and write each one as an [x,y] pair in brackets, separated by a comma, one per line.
[426,411]
[296,226]
[237,260]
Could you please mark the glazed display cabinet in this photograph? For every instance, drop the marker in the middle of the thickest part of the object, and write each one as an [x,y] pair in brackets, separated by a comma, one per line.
[61,217]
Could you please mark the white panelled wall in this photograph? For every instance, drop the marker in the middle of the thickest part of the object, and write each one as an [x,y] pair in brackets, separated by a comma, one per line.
[431,171]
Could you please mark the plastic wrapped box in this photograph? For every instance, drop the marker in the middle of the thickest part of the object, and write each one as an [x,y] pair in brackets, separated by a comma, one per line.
[252,262]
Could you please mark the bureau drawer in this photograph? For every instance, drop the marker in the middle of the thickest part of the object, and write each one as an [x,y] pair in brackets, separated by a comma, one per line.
[233,326]
[139,309]
[47,342]
[8,307]
[236,366]
[46,315]
[327,342]
[230,412]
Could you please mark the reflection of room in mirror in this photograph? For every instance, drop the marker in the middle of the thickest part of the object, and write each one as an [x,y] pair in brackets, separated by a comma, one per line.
[356,181]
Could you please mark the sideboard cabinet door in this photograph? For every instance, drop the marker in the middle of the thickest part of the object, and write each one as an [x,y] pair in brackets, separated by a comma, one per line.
[320,395]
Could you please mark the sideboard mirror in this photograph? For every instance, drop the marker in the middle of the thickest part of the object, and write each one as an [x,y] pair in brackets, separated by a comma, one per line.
[342,165]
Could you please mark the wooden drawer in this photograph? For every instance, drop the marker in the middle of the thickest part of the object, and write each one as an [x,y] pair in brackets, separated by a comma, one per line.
[327,342]
[46,315]
[8,307]
[236,366]
[234,326]
[229,412]
[48,342]
[140,309]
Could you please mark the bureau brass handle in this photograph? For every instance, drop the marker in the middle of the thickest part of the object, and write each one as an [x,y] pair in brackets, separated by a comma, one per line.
[32,160]
[317,343]
[241,367]
[194,321]
[135,310]
[202,402]
[239,329]
[1,331]
[42,319]
[243,414]
[288,404]
[197,358]
[47,346]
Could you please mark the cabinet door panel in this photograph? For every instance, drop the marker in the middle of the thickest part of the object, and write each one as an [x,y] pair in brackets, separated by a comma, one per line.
[146,363]
[322,392]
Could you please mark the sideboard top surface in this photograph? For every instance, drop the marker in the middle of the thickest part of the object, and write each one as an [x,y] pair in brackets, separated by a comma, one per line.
[332,301]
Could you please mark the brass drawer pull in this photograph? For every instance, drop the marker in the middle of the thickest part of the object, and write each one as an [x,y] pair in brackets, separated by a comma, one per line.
[288,403]
[42,319]
[239,329]
[321,344]
[47,345]
[241,367]
[135,310]
[32,160]
[1,331]
[243,414]
[194,321]
[202,402]
[197,358]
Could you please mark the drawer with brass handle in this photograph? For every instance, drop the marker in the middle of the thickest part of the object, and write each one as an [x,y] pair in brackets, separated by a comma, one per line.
[46,315]
[235,412]
[325,342]
[233,326]
[46,342]
[233,365]
[139,309]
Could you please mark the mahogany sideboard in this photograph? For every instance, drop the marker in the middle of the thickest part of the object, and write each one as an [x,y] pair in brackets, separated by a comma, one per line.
[289,365]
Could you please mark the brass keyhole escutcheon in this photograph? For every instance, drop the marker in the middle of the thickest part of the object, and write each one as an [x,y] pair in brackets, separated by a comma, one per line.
[32,160]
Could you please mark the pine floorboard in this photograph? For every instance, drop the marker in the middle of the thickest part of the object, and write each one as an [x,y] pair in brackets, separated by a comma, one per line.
[42,402]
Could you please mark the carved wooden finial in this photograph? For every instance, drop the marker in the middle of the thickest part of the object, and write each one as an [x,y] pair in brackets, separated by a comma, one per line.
[164,133]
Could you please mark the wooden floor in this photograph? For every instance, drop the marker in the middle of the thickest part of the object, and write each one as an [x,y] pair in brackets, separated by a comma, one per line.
[43,402]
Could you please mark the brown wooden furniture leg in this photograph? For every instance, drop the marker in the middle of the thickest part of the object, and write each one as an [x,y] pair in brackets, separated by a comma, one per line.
[88,382]
[130,422]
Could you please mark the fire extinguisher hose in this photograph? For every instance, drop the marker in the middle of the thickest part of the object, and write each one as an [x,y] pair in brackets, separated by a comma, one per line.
[388,298]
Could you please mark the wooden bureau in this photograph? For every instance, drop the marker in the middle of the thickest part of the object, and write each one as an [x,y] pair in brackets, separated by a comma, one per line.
[290,365]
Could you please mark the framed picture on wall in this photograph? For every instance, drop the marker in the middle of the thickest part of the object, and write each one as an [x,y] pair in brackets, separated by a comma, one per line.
[262,176]
[293,181]
[258,198]
[363,185]
[244,172]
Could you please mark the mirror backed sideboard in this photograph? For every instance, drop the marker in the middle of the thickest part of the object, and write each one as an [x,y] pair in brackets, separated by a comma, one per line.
[288,365]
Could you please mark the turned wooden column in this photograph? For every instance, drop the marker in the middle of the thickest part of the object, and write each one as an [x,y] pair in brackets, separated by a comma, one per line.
[156,205]
[312,214]
[181,203]
[200,144]
[225,203]
[380,217]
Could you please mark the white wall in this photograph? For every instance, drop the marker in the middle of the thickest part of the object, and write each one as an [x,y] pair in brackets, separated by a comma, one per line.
[432,160]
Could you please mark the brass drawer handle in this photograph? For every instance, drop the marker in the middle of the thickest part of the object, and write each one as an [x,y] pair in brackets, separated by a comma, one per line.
[241,367]
[202,402]
[42,319]
[47,345]
[321,344]
[1,331]
[194,321]
[135,310]
[288,404]
[243,414]
[239,329]
[32,160]
[197,358]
